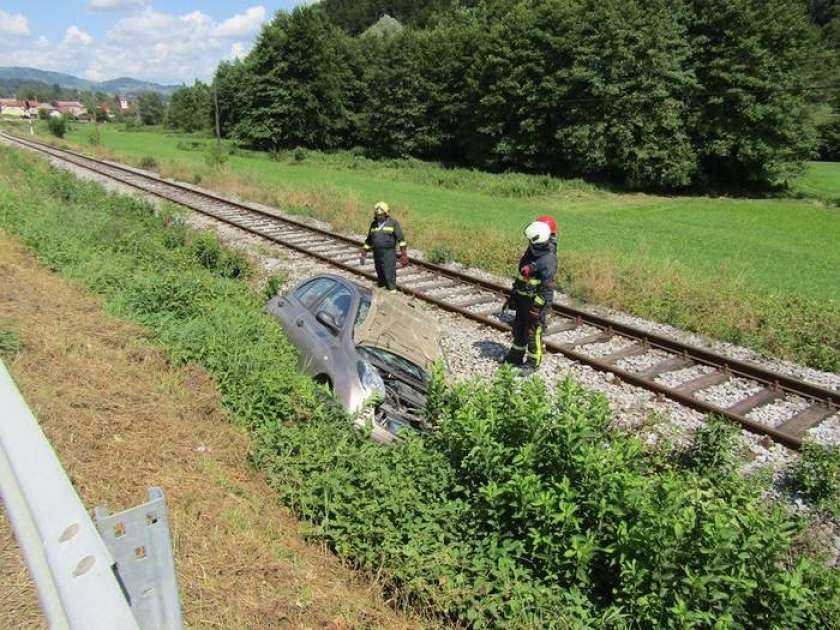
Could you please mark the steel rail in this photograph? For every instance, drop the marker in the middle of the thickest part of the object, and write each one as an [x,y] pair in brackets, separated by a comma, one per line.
[777,383]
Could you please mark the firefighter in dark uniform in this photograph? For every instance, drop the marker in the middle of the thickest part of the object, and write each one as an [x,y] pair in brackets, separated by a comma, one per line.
[531,297]
[384,236]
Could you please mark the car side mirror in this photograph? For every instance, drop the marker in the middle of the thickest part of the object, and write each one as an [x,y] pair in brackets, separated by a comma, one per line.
[328,321]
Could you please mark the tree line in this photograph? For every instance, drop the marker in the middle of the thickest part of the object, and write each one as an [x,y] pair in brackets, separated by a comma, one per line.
[653,94]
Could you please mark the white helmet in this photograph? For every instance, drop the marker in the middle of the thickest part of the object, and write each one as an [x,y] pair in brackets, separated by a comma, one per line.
[538,233]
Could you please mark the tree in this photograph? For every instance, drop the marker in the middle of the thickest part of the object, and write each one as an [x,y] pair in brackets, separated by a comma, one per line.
[397,119]
[229,82]
[299,82]
[190,108]
[151,108]
[754,60]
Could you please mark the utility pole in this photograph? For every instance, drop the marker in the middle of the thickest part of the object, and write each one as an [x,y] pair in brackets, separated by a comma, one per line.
[218,126]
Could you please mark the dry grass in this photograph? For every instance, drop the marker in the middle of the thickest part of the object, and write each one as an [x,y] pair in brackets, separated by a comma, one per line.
[121,419]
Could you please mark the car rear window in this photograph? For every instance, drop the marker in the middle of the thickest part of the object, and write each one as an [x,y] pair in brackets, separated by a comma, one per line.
[314,290]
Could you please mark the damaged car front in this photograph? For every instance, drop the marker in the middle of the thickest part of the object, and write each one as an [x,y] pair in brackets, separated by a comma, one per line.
[373,349]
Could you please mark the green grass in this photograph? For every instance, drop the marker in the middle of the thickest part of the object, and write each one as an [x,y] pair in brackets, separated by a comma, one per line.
[821,180]
[744,270]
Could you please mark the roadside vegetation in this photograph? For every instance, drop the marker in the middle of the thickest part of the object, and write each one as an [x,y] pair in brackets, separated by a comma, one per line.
[523,509]
[758,272]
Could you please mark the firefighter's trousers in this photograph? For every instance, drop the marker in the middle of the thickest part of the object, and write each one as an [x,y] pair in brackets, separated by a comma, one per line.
[385,261]
[527,335]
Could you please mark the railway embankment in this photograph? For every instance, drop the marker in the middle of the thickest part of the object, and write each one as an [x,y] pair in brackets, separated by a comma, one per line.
[525,508]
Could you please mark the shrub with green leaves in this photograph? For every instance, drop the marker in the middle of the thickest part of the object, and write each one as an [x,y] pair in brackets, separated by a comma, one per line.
[816,473]
[57,126]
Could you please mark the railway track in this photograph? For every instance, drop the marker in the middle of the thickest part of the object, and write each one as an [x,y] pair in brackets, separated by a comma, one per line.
[635,356]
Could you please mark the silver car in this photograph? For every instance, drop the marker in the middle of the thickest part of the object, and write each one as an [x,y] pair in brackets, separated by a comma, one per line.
[365,346]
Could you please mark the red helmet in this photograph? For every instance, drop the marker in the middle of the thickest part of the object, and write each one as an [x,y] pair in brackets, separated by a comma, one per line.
[550,222]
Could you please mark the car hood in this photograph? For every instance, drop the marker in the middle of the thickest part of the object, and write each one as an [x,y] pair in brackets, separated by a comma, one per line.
[400,326]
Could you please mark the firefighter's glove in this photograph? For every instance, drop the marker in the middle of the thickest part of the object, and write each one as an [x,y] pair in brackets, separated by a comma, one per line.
[535,313]
[404,258]
[362,258]
[509,304]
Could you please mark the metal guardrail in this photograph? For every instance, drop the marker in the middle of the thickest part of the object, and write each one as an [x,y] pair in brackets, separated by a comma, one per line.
[78,582]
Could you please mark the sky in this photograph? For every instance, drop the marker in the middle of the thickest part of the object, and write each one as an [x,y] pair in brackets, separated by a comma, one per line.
[165,41]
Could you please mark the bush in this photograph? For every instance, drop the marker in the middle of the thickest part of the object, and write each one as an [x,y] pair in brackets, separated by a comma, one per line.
[273,284]
[440,255]
[227,263]
[215,155]
[817,474]
[57,126]
[148,163]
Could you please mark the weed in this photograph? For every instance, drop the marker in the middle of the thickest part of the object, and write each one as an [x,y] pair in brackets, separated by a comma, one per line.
[273,284]
[215,156]
[196,178]
[148,162]
[817,474]
[10,343]
[440,255]
[713,451]
[191,145]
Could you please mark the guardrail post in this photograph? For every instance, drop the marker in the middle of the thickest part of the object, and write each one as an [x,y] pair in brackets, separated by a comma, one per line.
[140,541]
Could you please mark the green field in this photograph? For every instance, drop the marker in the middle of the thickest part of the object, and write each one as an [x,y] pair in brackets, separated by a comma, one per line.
[716,265]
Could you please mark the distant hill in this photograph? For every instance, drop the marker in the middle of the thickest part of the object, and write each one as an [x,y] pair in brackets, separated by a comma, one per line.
[114,86]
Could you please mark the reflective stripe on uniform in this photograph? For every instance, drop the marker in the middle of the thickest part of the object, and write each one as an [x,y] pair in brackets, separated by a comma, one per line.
[367,247]
[539,300]
[537,356]
[519,348]
[532,282]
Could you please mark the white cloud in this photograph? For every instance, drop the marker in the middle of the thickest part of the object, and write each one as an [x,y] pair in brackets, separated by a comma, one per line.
[13,24]
[110,5]
[147,44]
[242,24]
[76,37]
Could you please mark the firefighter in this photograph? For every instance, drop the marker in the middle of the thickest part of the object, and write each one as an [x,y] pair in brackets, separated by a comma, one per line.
[531,297]
[384,236]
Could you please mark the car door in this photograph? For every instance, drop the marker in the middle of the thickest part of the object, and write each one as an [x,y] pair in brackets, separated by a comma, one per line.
[328,347]
[296,314]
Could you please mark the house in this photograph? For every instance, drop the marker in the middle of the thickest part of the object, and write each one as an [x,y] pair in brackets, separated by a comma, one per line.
[13,108]
[48,107]
[70,108]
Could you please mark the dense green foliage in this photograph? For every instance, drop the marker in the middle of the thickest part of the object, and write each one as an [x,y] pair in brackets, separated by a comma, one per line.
[523,509]
[191,108]
[658,94]
[151,108]
[817,474]
[57,126]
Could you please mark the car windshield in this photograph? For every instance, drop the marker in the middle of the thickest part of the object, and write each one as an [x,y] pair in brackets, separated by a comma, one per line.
[395,362]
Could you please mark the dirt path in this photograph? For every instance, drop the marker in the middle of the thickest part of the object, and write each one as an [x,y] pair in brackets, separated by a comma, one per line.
[121,419]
